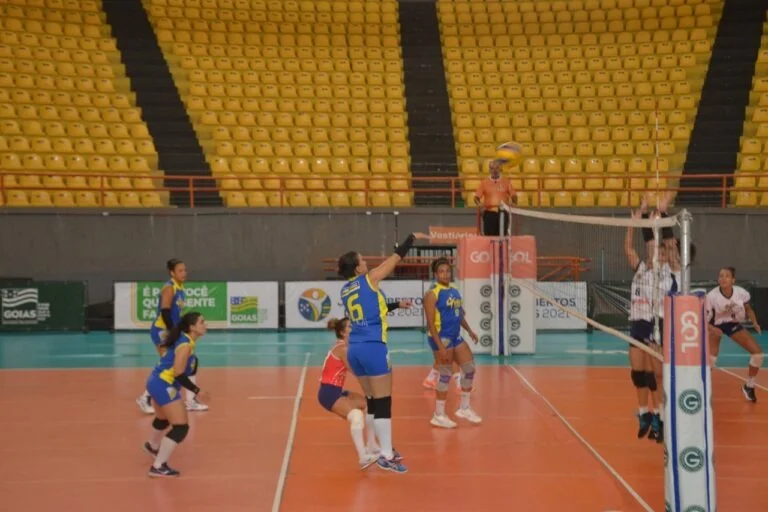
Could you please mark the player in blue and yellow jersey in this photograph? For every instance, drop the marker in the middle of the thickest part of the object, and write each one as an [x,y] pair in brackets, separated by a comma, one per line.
[366,307]
[169,310]
[164,384]
[445,318]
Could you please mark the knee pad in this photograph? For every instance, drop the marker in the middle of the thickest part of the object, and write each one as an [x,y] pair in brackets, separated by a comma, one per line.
[467,374]
[468,370]
[159,424]
[370,405]
[756,360]
[445,377]
[639,379]
[178,433]
[651,380]
[356,419]
[383,408]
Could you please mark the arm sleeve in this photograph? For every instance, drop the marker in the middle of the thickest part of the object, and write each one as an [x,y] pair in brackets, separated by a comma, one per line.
[165,313]
[183,379]
[391,306]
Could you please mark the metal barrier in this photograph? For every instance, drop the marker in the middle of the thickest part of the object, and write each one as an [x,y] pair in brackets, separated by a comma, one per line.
[282,187]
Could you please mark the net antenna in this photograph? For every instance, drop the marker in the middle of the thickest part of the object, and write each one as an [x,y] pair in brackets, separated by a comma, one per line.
[655,223]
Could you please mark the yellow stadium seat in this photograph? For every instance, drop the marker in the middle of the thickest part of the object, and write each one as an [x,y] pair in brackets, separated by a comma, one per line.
[69,97]
[575,82]
[318,101]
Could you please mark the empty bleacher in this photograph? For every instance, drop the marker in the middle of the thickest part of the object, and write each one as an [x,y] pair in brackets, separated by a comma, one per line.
[296,103]
[586,86]
[66,105]
[751,178]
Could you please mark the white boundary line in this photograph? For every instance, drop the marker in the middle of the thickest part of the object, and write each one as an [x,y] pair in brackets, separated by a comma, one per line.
[586,444]
[736,375]
[291,437]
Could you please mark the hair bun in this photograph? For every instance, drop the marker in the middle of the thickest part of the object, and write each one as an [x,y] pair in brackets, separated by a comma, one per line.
[332,323]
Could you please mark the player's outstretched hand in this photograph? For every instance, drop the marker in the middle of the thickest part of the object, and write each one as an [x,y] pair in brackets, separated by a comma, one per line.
[421,236]
[406,303]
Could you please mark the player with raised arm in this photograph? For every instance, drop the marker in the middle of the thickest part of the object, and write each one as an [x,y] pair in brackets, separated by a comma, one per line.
[366,307]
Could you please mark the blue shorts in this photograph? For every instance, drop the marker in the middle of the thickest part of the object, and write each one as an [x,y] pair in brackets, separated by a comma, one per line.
[162,392]
[328,394]
[369,359]
[155,333]
[730,328]
[448,342]
[642,331]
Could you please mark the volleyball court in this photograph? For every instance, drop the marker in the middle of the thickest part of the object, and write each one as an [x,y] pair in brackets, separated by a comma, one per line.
[554,436]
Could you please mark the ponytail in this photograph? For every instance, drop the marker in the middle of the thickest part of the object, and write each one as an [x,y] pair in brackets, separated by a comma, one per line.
[338,326]
[184,325]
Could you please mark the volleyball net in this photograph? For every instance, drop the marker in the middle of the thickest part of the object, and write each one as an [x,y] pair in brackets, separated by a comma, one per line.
[639,275]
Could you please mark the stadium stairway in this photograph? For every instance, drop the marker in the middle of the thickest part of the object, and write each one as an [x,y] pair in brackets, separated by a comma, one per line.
[715,139]
[426,93]
[177,146]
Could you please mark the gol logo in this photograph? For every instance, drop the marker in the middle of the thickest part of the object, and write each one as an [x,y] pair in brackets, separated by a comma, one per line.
[690,401]
[480,257]
[691,459]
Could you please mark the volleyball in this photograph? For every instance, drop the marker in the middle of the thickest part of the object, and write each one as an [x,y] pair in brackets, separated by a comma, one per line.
[510,153]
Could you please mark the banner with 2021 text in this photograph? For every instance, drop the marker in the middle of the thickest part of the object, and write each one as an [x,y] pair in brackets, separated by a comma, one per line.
[225,305]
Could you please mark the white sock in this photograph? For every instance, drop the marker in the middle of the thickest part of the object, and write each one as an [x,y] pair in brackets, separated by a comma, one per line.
[157,437]
[751,382]
[370,430]
[190,394]
[433,374]
[439,407]
[145,395]
[167,445]
[384,433]
[357,434]
[465,399]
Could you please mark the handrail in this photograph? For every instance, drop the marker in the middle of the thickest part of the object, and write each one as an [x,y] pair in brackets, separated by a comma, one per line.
[455,186]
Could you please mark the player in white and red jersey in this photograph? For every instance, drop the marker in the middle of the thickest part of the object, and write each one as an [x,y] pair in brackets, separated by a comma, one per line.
[652,280]
[727,307]
[347,404]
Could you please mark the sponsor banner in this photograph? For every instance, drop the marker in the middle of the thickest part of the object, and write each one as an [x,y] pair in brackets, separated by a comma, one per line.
[572,295]
[42,305]
[309,304]
[474,260]
[443,235]
[689,442]
[225,305]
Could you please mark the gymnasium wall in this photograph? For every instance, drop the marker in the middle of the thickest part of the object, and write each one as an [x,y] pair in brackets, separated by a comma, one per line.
[289,244]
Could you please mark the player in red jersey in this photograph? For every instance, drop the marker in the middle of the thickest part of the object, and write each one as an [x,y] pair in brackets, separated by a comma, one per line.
[347,404]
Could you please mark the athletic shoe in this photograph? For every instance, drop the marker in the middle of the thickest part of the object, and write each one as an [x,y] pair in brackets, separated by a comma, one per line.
[195,405]
[749,393]
[442,421]
[145,404]
[391,465]
[148,448]
[645,424]
[469,415]
[164,471]
[657,429]
[368,461]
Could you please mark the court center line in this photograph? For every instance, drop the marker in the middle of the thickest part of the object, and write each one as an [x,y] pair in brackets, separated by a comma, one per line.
[291,437]
[583,441]
[736,375]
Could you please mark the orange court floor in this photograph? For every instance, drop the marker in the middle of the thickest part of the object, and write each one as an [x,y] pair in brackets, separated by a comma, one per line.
[559,431]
